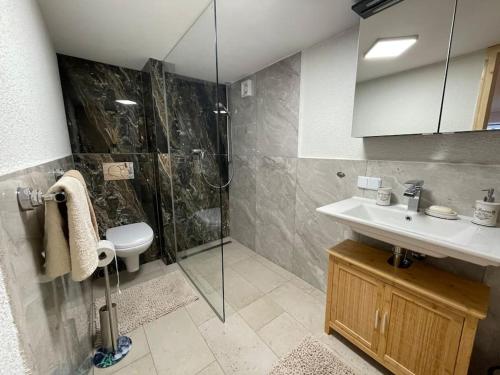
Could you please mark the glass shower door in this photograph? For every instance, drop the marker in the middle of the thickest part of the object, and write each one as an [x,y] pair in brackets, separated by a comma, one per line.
[197,137]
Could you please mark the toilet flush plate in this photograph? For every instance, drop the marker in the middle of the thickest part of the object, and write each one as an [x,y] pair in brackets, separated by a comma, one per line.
[118,171]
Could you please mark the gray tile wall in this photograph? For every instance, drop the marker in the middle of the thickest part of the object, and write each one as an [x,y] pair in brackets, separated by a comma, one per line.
[53,317]
[274,194]
[265,136]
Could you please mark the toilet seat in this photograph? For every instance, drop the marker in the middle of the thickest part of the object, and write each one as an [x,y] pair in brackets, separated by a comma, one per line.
[130,236]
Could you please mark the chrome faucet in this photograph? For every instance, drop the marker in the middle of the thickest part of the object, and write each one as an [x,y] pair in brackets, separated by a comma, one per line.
[414,192]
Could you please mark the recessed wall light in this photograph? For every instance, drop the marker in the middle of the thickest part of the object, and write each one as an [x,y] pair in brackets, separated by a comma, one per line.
[125,101]
[390,47]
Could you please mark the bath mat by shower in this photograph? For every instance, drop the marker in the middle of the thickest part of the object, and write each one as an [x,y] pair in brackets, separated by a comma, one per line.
[311,358]
[145,302]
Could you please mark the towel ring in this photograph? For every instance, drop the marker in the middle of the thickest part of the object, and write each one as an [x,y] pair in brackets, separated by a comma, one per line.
[29,198]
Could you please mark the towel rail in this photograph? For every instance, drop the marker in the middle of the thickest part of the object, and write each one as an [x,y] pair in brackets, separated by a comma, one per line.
[29,198]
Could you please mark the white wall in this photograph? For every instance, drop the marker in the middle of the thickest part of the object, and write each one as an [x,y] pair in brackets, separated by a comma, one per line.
[328,76]
[32,123]
[393,104]
[32,120]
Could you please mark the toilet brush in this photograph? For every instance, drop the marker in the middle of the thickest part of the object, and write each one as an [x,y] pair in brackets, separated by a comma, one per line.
[114,347]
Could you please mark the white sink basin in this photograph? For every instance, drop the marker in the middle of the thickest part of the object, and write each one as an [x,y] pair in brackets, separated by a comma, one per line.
[416,231]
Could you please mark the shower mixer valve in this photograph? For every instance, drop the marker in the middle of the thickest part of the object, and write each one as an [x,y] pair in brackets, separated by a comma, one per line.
[199,151]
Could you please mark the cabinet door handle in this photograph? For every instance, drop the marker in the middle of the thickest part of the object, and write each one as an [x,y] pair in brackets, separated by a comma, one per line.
[384,322]
[376,319]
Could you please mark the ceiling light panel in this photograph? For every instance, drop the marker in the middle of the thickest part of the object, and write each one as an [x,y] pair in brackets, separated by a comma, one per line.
[387,48]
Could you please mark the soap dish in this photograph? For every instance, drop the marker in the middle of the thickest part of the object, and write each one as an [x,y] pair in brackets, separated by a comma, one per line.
[441,212]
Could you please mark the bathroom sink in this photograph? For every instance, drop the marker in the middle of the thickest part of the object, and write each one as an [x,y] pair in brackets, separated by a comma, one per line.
[416,231]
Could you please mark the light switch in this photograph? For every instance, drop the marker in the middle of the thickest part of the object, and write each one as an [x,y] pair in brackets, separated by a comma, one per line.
[362,182]
[118,171]
[369,183]
[374,183]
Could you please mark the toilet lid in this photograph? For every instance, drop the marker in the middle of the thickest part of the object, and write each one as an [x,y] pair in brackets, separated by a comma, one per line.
[129,235]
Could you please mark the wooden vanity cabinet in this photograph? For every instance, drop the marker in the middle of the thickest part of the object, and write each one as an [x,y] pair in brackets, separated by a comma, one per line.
[419,320]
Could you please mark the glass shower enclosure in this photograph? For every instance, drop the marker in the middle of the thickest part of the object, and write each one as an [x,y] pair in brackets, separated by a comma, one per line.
[198,123]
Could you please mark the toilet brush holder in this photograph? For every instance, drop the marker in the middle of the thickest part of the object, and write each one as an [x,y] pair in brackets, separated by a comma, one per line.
[114,347]
[109,327]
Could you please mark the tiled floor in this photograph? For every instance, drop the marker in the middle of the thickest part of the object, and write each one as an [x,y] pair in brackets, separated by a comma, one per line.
[268,312]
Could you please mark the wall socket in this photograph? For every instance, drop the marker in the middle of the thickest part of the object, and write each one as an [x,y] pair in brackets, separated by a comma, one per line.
[118,171]
[369,183]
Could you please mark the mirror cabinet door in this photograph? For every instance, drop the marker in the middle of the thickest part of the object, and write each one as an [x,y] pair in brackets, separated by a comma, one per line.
[398,90]
[472,94]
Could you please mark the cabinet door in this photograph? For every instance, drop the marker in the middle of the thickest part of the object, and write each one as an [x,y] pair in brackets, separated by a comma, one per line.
[418,337]
[356,306]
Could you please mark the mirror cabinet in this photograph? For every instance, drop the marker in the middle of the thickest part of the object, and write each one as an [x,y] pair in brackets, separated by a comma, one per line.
[427,67]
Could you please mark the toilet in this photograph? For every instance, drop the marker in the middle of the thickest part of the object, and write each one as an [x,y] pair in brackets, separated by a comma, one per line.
[130,241]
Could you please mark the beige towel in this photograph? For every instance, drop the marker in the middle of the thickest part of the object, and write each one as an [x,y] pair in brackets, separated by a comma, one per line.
[76,250]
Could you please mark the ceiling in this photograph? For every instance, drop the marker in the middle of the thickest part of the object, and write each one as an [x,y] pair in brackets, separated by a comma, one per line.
[119,32]
[251,34]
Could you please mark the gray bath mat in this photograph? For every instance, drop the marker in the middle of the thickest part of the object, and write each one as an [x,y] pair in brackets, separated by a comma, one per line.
[311,358]
[148,301]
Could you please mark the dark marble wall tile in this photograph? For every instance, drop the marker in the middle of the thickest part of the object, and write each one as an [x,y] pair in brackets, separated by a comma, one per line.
[167,211]
[198,217]
[53,317]
[96,122]
[192,124]
[123,201]
[174,115]
[191,118]
[158,132]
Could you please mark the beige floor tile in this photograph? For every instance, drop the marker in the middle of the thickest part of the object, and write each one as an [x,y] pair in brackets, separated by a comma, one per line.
[301,306]
[176,344]
[235,252]
[299,283]
[142,366]
[238,291]
[214,279]
[237,347]
[260,312]
[319,296]
[172,268]
[352,356]
[212,369]
[139,349]
[200,311]
[274,267]
[258,275]
[206,263]
[283,334]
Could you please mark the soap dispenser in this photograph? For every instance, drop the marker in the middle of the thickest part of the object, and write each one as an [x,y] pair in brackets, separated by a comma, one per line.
[486,211]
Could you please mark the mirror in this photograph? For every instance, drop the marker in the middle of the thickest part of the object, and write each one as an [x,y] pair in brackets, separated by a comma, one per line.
[472,94]
[401,67]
